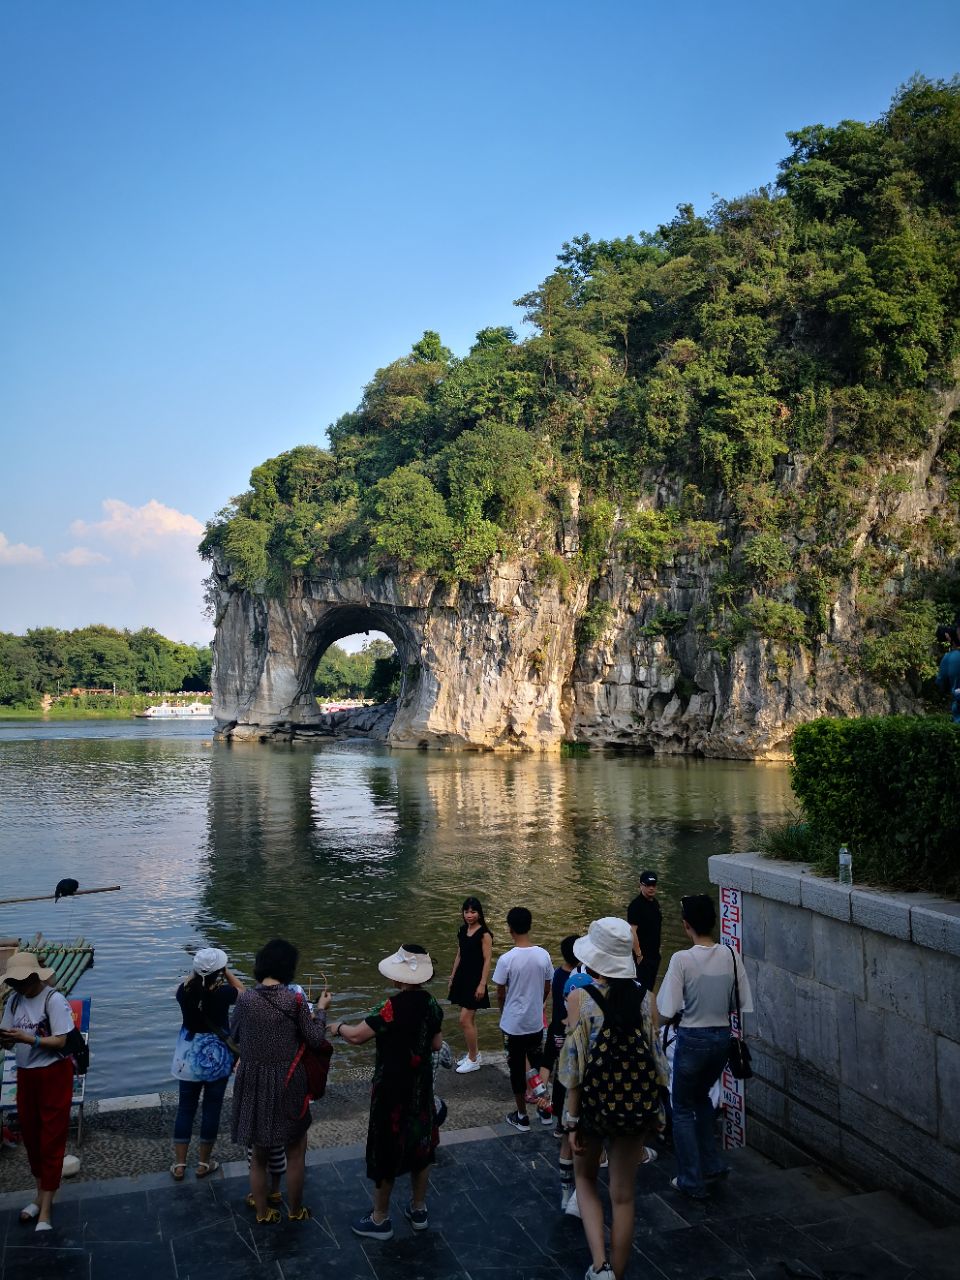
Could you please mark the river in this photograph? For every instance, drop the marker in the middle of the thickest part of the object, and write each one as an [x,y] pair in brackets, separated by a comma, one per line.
[346,848]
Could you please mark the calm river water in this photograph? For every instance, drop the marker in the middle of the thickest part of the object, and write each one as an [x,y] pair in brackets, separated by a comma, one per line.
[346,848]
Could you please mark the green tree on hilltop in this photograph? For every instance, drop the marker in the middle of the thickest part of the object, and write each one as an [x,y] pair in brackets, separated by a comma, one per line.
[803,328]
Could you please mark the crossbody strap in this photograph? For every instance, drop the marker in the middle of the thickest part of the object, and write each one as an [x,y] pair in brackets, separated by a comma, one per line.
[736,987]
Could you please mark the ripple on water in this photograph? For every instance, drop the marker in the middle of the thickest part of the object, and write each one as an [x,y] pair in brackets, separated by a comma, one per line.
[346,848]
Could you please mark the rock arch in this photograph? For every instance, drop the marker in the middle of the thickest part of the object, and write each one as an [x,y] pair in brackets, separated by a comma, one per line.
[484,665]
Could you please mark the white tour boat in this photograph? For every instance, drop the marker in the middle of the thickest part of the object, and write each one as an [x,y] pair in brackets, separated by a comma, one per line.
[170,711]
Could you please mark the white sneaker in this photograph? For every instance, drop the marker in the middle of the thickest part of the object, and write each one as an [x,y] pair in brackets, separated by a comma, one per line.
[649,1155]
[465,1065]
[605,1272]
[572,1207]
[566,1192]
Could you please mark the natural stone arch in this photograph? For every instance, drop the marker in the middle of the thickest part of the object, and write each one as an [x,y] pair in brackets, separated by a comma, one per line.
[484,664]
[267,648]
[349,620]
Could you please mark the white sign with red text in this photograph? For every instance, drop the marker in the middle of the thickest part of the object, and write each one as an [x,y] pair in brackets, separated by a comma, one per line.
[731,1089]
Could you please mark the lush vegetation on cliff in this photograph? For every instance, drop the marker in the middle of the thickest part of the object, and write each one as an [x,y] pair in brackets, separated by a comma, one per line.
[739,385]
[48,661]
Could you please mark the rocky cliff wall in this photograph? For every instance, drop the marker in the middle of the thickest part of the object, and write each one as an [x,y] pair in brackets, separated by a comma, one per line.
[495,666]
[505,663]
[484,666]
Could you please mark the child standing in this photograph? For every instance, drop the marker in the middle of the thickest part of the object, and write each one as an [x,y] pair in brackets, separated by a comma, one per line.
[523,977]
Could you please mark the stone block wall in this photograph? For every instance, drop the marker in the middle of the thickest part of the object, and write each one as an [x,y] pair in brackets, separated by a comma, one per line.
[856,1030]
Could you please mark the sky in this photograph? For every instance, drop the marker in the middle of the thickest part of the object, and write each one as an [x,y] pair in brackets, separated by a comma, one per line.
[218,219]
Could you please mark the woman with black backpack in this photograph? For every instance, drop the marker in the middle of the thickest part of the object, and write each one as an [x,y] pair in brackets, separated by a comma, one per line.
[613,1080]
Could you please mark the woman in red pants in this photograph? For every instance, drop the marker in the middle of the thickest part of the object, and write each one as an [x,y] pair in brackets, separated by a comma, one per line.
[35,1022]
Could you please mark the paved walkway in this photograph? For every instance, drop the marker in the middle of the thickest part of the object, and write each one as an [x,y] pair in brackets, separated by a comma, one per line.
[494,1215]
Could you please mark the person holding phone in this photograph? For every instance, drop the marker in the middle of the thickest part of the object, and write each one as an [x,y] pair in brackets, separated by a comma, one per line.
[36,1021]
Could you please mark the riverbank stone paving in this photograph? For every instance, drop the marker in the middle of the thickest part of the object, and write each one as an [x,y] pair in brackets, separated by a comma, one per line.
[494,1215]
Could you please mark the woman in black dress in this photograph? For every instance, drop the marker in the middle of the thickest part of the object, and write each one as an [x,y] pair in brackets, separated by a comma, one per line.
[402,1135]
[468,978]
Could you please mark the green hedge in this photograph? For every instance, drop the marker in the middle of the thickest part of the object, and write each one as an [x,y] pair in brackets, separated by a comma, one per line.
[888,788]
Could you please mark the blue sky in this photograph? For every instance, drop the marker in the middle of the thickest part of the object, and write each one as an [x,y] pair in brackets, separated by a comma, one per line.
[218,218]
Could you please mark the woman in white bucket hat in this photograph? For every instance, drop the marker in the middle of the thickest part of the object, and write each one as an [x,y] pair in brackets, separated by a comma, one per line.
[203,1060]
[612,1080]
[35,1023]
[402,1135]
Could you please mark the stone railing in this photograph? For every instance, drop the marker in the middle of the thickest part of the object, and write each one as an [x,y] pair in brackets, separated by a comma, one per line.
[856,1030]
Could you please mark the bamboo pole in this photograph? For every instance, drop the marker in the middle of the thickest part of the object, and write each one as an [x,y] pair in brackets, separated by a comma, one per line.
[44,897]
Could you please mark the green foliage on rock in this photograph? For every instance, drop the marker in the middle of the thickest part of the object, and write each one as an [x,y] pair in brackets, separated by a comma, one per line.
[593,624]
[773,620]
[888,788]
[738,383]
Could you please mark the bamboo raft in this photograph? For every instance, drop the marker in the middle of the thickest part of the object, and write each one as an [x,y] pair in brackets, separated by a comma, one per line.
[68,960]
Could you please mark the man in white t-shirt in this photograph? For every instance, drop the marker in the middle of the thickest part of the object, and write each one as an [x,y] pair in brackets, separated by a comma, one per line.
[522,977]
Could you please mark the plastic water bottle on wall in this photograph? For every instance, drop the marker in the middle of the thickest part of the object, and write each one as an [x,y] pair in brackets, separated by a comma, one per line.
[846,865]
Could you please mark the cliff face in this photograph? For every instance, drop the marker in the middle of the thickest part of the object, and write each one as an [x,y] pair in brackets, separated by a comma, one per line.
[505,663]
[484,666]
[495,667]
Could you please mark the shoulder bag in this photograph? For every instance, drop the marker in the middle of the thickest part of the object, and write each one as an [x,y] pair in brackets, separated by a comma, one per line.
[316,1062]
[739,1062]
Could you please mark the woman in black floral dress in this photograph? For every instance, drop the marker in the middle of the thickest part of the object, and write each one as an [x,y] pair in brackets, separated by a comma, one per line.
[402,1135]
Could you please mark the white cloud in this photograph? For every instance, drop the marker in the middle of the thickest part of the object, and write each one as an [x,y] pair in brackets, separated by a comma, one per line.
[81,557]
[19,552]
[139,529]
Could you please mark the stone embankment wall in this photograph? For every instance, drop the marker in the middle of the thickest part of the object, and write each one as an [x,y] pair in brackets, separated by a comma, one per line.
[856,1033]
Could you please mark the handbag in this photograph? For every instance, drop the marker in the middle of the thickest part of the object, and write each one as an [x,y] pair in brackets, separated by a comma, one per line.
[316,1063]
[738,1060]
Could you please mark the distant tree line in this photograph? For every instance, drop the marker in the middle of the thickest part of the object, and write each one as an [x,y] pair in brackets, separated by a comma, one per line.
[49,661]
[372,674]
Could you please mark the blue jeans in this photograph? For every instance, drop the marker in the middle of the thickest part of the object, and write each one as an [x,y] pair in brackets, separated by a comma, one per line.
[700,1056]
[190,1090]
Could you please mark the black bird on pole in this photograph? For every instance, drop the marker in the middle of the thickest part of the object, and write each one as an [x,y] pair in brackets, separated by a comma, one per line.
[65,889]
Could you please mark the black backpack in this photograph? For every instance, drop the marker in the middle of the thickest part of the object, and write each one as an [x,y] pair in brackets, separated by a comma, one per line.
[76,1047]
[620,1093]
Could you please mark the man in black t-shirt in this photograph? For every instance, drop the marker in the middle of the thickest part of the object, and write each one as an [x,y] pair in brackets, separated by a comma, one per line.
[646,921]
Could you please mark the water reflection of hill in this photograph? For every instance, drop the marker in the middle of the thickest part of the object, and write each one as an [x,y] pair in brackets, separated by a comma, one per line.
[348,849]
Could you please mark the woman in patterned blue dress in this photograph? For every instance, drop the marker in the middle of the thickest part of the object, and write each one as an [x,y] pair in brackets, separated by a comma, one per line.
[202,1060]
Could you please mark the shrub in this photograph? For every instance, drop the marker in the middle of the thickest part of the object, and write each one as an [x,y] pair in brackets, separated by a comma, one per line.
[665,623]
[768,557]
[553,567]
[593,624]
[906,644]
[596,529]
[409,522]
[784,623]
[650,538]
[888,788]
[788,840]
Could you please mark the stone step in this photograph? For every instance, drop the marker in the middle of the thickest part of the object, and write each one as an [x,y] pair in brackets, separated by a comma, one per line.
[883,1213]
